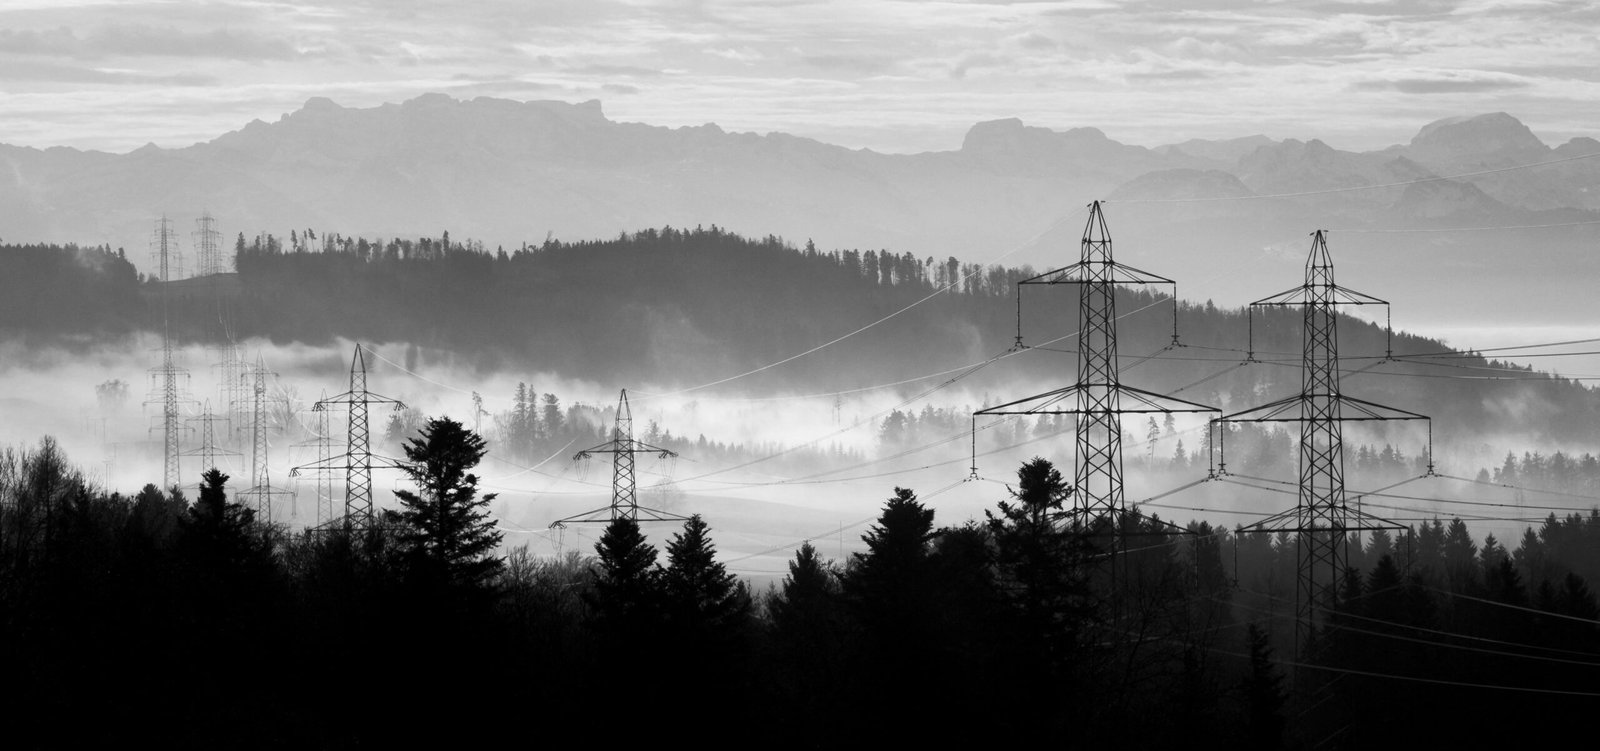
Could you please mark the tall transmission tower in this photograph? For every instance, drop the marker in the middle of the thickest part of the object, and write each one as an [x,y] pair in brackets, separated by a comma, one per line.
[323,443]
[166,392]
[208,450]
[1099,399]
[164,254]
[231,387]
[1322,518]
[357,460]
[624,493]
[261,492]
[207,246]
[164,387]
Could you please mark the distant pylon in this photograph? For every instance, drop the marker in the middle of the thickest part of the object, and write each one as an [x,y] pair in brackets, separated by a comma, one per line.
[1321,518]
[323,442]
[207,246]
[164,246]
[166,392]
[164,253]
[624,493]
[208,450]
[261,492]
[1098,399]
[358,460]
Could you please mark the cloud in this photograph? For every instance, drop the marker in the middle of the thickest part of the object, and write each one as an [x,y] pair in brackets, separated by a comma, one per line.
[619,88]
[1183,74]
[862,65]
[45,72]
[599,69]
[146,41]
[1444,82]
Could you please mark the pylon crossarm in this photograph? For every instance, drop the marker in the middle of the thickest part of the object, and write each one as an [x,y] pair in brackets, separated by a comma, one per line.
[656,515]
[610,448]
[1374,411]
[1296,296]
[1347,296]
[1269,412]
[347,461]
[1080,273]
[349,396]
[1052,397]
[1160,402]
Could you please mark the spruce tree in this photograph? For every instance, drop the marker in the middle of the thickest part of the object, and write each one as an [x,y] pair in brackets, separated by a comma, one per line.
[447,534]
[702,598]
[625,600]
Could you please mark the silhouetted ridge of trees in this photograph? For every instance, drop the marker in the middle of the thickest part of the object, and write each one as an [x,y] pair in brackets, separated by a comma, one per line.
[690,305]
[161,619]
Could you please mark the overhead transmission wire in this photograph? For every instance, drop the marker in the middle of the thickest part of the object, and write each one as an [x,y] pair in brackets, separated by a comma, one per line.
[1413,678]
[979,268]
[1434,643]
[1352,188]
[1465,229]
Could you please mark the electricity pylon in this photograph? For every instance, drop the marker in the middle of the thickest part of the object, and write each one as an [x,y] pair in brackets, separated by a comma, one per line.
[357,461]
[1321,518]
[1099,399]
[323,442]
[624,493]
[207,246]
[164,251]
[166,392]
[261,491]
[208,450]
[164,246]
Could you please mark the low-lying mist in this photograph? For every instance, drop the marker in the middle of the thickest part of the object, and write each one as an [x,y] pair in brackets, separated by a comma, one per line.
[766,471]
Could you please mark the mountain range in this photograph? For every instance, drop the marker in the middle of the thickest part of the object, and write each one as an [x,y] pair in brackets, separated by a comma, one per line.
[507,171]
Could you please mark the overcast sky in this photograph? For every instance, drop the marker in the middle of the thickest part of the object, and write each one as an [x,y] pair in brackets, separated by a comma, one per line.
[892,75]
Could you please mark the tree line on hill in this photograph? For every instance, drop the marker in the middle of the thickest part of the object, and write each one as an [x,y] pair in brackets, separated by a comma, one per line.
[674,306]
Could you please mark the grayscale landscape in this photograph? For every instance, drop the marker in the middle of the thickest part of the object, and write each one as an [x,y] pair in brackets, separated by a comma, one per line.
[868,371]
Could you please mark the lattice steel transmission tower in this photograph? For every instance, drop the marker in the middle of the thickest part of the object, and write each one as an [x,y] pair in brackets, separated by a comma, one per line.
[1322,517]
[261,492]
[164,252]
[166,392]
[232,388]
[1099,399]
[622,447]
[207,246]
[208,450]
[357,460]
[323,443]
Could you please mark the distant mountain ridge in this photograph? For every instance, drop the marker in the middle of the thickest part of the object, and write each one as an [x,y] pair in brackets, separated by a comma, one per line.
[506,172]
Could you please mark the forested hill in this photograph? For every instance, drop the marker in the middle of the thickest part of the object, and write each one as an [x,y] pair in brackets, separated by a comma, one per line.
[683,307]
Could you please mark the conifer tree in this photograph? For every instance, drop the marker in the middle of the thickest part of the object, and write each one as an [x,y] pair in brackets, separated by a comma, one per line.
[702,598]
[626,598]
[448,536]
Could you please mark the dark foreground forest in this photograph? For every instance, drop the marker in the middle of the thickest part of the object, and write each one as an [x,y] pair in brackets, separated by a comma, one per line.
[161,618]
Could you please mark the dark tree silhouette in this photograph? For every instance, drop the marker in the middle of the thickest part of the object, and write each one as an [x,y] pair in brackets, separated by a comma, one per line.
[702,599]
[448,534]
[626,597]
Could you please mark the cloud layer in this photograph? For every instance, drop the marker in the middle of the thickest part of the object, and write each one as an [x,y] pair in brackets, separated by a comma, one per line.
[893,75]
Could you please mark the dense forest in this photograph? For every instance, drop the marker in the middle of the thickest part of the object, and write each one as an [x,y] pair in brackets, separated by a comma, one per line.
[165,619]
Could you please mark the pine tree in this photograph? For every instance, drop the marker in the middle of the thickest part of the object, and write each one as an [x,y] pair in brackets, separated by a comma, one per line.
[702,598]
[626,597]
[448,536]
[1037,556]
[809,593]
